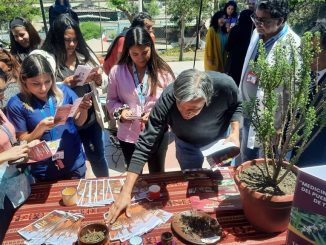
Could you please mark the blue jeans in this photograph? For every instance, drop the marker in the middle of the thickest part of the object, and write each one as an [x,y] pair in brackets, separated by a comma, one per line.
[188,155]
[92,139]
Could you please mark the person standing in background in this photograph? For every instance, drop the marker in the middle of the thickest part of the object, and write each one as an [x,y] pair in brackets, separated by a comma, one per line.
[67,44]
[216,39]
[61,7]
[237,45]
[231,14]
[114,52]
[270,19]
[23,38]
[113,55]
[251,4]
[135,84]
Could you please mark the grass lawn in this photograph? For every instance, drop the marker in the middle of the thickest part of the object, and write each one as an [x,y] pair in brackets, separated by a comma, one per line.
[173,55]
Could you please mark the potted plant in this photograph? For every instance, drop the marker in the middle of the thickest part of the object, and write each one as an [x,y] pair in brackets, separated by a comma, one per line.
[285,94]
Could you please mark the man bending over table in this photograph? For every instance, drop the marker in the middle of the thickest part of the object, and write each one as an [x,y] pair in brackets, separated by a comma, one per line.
[199,107]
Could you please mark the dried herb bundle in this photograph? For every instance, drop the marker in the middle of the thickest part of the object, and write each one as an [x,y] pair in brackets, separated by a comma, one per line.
[202,226]
[93,236]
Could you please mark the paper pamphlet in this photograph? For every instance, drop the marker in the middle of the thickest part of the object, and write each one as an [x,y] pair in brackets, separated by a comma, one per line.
[220,151]
[218,193]
[93,193]
[39,152]
[215,147]
[57,227]
[53,145]
[69,110]
[77,103]
[43,150]
[82,72]
[62,114]
[74,107]
[142,220]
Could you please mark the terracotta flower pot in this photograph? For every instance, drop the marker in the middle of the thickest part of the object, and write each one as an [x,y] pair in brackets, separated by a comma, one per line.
[265,212]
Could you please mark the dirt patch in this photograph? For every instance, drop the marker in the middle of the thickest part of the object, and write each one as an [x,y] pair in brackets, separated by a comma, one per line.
[257,179]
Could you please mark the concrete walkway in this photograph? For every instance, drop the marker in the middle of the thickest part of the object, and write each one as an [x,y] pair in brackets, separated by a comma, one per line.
[114,155]
[178,67]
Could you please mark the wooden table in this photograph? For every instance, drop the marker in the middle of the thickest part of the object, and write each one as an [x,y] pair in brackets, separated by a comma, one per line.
[46,197]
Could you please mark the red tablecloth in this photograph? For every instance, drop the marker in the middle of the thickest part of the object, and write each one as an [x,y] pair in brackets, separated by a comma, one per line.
[46,197]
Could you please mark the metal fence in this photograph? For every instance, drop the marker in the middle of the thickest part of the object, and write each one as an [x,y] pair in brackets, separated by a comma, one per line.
[112,22]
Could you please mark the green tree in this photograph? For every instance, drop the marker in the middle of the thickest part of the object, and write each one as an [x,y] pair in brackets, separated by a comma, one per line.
[185,11]
[304,13]
[17,8]
[90,30]
[152,7]
[130,8]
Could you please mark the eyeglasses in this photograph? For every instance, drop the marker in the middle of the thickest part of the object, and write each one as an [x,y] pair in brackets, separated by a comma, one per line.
[69,40]
[261,21]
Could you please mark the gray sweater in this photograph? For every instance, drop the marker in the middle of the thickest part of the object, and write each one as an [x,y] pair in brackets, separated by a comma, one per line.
[210,125]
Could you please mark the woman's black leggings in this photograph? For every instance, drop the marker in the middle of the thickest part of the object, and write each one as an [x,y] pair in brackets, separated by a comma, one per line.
[157,160]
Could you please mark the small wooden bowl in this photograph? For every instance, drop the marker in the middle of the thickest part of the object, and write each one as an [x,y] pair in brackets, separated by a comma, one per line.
[91,227]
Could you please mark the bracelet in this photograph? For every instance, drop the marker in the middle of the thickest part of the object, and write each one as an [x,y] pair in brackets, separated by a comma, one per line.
[117,112]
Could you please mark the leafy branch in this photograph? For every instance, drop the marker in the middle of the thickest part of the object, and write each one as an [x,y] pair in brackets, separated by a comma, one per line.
[287,109]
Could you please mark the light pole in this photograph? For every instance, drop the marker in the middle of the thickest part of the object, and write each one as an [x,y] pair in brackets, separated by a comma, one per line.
[198,30]
[140,6]
[44,19]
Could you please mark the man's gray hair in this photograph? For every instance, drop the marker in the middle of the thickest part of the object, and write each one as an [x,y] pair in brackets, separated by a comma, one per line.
[193,84]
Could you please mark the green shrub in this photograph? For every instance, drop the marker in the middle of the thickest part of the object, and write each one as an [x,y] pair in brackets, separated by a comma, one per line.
[90,30]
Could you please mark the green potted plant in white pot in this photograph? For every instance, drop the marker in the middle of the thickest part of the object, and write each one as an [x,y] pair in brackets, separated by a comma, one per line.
[266,185]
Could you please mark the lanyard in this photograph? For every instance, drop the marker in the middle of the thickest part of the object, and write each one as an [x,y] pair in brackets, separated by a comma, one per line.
[279,35]
[142,88]
[52,113]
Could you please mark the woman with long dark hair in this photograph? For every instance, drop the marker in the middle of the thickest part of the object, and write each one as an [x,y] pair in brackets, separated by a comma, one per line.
[23,38]
[135,84]
[231,14]
[216,39]
[32,113]
[66,43]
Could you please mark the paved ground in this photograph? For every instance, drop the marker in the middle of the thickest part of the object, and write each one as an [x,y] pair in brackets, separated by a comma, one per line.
[114,155]
[178,67]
